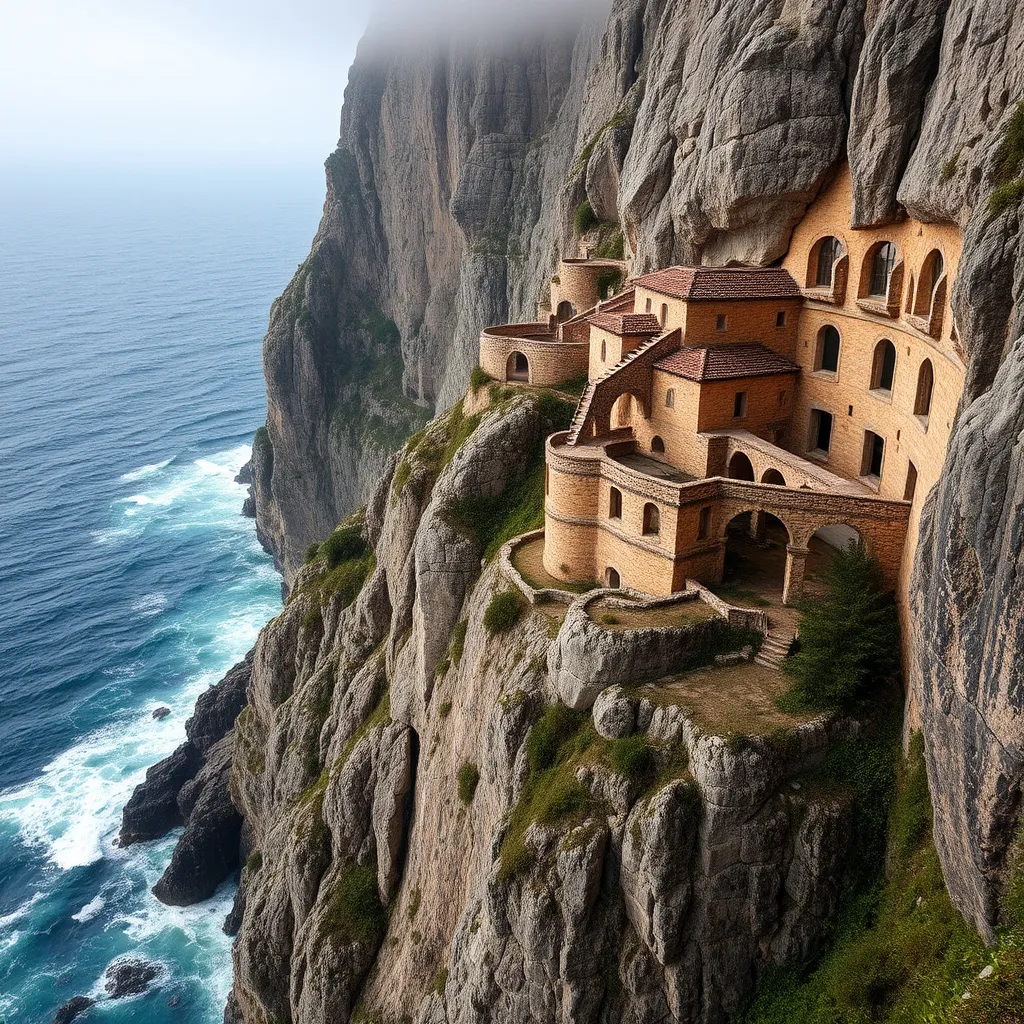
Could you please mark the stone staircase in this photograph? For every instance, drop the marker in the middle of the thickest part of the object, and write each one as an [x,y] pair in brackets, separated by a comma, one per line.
[775,648]
[583,409]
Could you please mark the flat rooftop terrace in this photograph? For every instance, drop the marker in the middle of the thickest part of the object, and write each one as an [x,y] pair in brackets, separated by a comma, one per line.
[652,467]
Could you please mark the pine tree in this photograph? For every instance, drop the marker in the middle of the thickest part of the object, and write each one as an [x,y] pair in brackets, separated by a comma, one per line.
[850,639]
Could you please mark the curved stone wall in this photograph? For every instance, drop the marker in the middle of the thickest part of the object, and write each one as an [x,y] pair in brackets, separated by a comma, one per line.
[550,361]
[577,282]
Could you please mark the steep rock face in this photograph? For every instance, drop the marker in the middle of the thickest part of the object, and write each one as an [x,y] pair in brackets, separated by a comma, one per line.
[378,881]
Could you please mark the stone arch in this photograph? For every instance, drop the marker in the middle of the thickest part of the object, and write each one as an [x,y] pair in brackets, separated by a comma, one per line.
[883,366]
[657,445]
[773,476]
[756,555]
[834,535]
[925,386]
[517,367]
[625,407]
[565,311]
[612,579]
[821,261]
[740,467]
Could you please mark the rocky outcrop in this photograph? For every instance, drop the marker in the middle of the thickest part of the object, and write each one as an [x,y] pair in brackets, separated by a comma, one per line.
[129,976]
[190,788]
[378,880]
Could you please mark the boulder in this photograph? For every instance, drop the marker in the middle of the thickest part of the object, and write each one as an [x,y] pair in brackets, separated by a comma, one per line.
[72,1009]
[130,976]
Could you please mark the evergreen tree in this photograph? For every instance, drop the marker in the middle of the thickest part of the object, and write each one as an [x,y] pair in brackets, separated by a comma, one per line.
[850,638]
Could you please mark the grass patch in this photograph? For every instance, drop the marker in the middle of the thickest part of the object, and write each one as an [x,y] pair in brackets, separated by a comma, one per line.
[901,952]
[355,912]
[504,611]
[1010,154]
[402,474]
[633,758]
[612,247]
[414,904]
[446,709]
[254,862]
[440,981]
[584,219]
[458,641]
[380,715]
[575,385]
[469,778]
[1006,196]
[311,552]
[552,795]
[478,379]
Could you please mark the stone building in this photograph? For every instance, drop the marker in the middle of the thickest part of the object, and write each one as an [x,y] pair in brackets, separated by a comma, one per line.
[811,402]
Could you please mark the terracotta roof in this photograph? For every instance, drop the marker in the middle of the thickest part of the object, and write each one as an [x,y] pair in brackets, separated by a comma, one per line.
[624,324]
[725,362]
[697,283]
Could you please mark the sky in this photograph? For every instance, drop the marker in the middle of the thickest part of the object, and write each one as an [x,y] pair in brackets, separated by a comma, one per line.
[173,82]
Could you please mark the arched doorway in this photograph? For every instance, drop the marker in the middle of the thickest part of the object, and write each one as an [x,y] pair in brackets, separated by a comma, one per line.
[626,408]
[773,476]
[740,467]
[657,445]
[612,578]
[564,311]
[754,560]
[517,367]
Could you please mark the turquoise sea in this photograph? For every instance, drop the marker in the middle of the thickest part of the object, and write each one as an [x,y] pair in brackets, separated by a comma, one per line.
[132,307]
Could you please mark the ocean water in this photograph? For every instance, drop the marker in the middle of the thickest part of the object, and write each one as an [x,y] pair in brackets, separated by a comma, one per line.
[132,308]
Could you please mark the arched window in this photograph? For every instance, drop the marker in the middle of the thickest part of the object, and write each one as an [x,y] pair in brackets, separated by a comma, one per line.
[826,356]
[611,578]
[829,250]
[657,445]
[883,367]
[615,503]
[647,307]
[564,311]
[773,476]
[881,268]
[652,519]
[909,305]
[931,274]
[670,398]
[664,313]
[604,350]
[740,467]
[925,383]
[874,455]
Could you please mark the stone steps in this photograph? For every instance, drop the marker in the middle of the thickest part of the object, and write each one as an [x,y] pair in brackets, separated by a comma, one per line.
[775,649]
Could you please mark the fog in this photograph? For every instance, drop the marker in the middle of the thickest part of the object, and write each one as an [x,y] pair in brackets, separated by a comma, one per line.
[208,81]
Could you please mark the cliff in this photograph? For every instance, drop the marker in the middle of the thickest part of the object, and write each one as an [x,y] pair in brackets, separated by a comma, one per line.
[437,835]
[700,131]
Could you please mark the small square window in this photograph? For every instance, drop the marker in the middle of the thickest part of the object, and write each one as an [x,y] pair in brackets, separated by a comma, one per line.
[780,318]
[739,405]
[722,322]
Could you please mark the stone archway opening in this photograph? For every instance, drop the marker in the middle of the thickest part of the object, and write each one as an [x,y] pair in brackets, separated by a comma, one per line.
[740,467]
[754,560]
[773,476]
[517,367]
[564,311]
[612,578]
[626,409]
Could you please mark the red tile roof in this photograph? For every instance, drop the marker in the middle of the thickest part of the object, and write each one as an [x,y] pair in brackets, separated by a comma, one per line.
[624,324]
[725,362]
[709,283]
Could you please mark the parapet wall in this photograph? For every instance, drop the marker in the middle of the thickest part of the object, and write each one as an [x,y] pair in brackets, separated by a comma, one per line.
[550,360]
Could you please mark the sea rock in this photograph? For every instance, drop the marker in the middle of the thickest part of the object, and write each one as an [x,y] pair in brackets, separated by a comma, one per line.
[72,1009]
[160,713]
[129,977]
[207,852]
[153,808]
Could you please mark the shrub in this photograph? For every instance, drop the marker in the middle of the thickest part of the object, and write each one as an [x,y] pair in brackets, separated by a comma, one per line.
[633,758]
[355,913]
[458,644]
[254,863]
[1010,155]
[479,378]
[441,981]
[347,542]
[1006,196]
[469,777]
[556,725]
[848,640]
[503,612]
[311,552]
[611,248]
[584,219]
